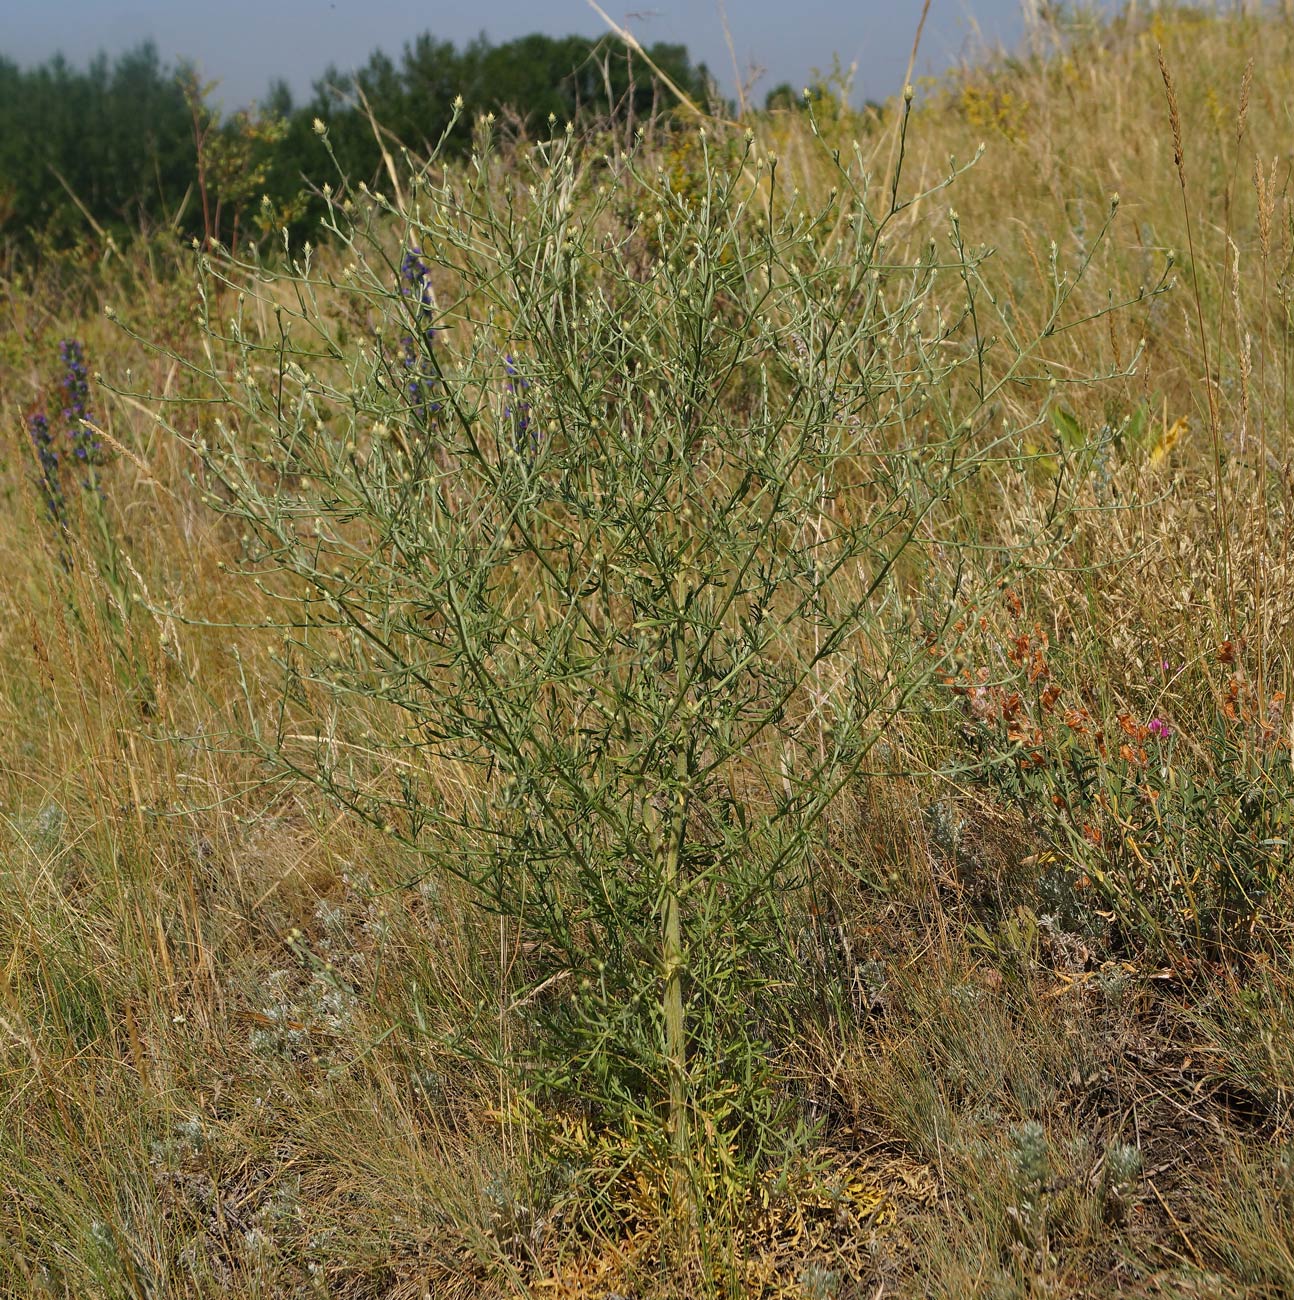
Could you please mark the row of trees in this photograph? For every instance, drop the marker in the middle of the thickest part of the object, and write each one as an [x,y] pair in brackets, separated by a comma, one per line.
[131,143]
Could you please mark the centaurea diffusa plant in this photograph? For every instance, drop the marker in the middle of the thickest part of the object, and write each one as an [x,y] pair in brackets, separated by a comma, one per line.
[613,683]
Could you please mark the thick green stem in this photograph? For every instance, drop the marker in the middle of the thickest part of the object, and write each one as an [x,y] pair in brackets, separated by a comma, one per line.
[669,851]
[675,1029]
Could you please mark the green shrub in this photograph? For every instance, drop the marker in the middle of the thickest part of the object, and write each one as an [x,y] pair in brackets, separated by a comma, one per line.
[596,544]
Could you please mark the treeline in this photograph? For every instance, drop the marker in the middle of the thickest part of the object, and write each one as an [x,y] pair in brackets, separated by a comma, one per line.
[130,144]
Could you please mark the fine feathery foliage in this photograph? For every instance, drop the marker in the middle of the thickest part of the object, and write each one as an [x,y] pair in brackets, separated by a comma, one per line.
[662,713]
[591,511]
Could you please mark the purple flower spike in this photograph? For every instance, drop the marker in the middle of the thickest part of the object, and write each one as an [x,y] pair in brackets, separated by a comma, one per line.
[1159,728]
[517,411]
[66,444]
[76,398]
[420,374]
[51,490]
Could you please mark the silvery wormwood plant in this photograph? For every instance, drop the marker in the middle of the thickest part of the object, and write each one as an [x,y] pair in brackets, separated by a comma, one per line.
[611,673]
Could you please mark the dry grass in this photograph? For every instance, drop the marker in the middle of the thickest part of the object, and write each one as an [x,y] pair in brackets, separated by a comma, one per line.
[242,1054]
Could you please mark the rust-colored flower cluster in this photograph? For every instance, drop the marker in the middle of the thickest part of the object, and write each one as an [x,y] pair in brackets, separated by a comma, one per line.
[1121,783]
[1020,713]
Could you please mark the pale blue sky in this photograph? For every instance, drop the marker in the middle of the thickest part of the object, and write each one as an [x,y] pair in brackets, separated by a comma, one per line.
[245,43]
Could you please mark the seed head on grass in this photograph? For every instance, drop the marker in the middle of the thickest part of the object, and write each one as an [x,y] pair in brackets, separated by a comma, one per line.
[1174,115]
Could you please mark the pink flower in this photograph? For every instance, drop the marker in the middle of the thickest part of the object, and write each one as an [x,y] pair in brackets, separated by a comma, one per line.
[1159,728]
